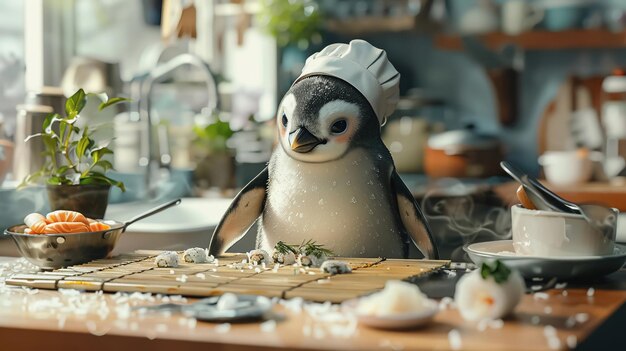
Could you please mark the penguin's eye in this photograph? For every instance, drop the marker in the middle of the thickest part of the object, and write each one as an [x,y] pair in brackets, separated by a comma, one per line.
[285,120]
[339,126]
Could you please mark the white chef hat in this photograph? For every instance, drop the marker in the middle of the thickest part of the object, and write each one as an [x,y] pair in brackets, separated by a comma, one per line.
[363,66]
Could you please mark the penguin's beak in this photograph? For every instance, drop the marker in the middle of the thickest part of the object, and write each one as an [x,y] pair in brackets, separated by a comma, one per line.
[303,141]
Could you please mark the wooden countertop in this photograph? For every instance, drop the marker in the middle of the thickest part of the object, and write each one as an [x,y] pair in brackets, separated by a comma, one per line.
[53,320]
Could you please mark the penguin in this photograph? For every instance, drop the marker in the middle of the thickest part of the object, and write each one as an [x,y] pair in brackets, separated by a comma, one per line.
[330,179]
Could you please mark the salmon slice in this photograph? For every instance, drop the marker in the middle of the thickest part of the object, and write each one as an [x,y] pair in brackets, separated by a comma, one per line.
[66,228]
[67,216]
[39,227]
[98,226]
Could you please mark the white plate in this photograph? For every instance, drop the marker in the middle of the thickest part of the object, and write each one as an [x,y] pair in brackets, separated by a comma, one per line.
[547,267]
[398,321]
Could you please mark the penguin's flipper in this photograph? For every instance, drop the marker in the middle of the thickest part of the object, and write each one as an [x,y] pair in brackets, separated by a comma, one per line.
[245,209]
[413,219]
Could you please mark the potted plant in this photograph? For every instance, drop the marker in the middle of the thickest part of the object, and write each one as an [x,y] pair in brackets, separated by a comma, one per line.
[75,167]
[214,159]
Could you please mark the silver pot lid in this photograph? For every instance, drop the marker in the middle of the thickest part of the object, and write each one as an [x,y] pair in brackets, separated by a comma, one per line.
[462,140]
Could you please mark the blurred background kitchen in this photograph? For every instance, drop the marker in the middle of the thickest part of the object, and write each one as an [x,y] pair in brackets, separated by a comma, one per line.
[537,83]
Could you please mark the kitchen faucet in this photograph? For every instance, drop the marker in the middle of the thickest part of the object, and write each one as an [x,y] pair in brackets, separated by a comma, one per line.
[156,157]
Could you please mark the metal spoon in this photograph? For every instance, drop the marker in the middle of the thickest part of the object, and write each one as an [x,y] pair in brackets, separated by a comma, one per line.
[604,219]
[534,194]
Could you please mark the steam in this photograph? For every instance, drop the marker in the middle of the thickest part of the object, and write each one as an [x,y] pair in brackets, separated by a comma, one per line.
[457,220]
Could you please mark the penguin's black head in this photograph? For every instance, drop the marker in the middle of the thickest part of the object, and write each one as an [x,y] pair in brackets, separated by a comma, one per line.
[322,117]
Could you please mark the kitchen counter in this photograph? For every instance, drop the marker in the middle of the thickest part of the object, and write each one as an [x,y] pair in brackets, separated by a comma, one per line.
[50,320]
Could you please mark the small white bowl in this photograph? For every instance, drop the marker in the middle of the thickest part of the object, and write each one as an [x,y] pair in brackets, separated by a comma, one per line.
[549,234]
[565,168]
[394,321]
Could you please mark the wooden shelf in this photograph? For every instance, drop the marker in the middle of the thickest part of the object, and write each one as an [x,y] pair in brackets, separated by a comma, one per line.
[372,24]
[542,40]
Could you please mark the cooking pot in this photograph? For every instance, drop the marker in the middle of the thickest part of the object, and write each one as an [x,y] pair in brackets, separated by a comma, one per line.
[463,154]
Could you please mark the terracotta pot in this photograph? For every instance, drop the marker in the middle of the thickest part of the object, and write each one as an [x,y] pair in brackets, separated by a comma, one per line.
[462,154]
[91,200]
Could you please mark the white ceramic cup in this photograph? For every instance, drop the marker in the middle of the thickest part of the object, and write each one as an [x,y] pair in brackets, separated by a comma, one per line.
[563,168]
[519,16]
[553,234]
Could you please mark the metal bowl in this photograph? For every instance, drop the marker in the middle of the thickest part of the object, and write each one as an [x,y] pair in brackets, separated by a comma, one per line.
[52,251]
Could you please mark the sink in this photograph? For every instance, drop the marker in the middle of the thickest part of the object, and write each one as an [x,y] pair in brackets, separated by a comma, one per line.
[190,224]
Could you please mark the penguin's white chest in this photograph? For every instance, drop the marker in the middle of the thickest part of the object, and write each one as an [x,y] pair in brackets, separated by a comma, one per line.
[344,204]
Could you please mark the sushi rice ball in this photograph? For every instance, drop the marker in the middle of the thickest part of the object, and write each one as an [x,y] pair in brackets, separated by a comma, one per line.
[284,253]
[490,292]
[167,259]
[259,256]
[335,267]
[311,260]
[196,255]
[286,258]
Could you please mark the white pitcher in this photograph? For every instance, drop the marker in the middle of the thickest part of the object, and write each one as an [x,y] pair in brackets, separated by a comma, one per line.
[519,16]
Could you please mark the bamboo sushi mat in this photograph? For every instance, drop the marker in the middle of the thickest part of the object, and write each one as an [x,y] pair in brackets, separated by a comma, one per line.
[137,272]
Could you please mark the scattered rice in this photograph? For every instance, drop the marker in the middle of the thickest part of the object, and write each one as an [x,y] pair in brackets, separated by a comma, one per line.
[547,310]
[549,330]
[540,296]
[450,273]
[581,317]
[446,303]
[268,326]
[571,341]
[454,338]
[222,328]
[554,343]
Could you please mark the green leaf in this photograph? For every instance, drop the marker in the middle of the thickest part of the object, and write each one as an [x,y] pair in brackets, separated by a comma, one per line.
[54,180]
[62,170]
[100,178]
[498,270]
[82,146]
[104,164]
[47,122]
[51,143]
[111,102]
[62,126]
[99,152]
[75,103]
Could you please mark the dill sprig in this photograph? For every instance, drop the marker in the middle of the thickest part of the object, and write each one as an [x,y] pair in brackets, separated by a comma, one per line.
[311,248]
[285,248]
